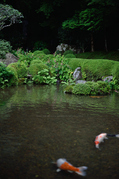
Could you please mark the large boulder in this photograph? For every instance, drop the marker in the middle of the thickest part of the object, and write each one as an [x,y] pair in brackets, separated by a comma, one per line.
[64,47]
[10,58]
[77,74]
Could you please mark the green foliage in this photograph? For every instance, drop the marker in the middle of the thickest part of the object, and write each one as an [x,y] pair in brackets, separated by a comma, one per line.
[68,89]
[111,55]
[4,48]
[20,68]
[25,58]
[5,76]
[9,16]
[43,77]
[70,56]
[36,60]
[90,18]
[95,69]
[14,79]
[82,89]
[46,51]
[115,70]
[92,88]
[61,68]
[75,62]
[39,45]
[39,54]
[49,57]
[35,68]
[68,52]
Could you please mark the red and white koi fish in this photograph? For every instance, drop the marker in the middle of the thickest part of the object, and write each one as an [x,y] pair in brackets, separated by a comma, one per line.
[100,138]
[63,164]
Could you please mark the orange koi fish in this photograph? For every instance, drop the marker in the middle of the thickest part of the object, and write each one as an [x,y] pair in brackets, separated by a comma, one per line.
[100,138]
[63,164]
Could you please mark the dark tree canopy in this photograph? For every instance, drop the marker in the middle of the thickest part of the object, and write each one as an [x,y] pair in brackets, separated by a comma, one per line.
[73,22]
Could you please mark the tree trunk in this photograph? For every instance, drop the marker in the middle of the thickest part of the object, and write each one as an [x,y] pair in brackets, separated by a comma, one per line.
[92,42]
[106,44]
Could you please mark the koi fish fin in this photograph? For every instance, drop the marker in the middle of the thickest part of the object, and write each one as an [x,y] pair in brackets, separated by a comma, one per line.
[97,146]
[82,170]
[70,171]
[117,135]
[58,170]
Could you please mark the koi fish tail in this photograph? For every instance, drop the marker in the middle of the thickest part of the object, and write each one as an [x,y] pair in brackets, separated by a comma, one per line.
[117,135]
[82,171]
[113,135]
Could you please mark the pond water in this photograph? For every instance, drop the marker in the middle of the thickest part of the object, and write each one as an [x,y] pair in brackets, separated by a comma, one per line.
[39,124]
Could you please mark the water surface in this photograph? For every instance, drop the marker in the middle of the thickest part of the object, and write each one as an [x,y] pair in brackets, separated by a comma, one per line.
[39,124]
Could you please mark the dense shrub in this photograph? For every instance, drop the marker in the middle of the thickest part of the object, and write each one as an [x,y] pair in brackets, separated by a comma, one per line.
[48,57]
[26,58]
[82,89]
[34,61]
[39,54]
[20,68]
[46,51]
[90,88]
[4,48]
[115,70]
[14,79]
[68,52]
[70,56]
[35,68]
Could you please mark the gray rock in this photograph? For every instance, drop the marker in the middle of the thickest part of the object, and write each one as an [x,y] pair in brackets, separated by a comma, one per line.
[77,73]
[80,81]
[108,78]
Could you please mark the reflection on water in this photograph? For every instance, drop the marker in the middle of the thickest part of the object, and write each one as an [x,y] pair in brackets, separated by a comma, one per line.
[39,124]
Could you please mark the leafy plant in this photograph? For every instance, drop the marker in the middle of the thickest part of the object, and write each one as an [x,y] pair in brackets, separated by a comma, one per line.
[44,77]
[5,76]
[61,68]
